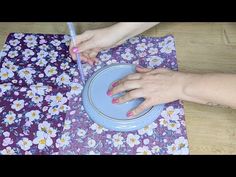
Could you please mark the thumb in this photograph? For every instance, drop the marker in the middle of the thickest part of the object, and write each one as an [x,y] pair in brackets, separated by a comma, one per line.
[160,71]
[141,69]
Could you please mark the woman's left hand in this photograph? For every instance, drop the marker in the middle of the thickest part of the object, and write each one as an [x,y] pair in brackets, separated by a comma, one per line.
[156,86]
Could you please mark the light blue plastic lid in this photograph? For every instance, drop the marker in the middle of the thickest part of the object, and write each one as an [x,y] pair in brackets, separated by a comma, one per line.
[99,105]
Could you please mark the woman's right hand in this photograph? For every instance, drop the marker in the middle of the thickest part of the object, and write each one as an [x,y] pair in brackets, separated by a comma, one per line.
[89,43]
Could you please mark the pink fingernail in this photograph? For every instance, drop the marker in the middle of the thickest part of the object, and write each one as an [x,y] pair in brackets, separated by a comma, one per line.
[109,93]
[115,100]
[115,84]
[129,114]
[75,50]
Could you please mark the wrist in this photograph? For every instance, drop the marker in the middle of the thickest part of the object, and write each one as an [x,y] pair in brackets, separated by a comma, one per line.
[120,31]
[189,89]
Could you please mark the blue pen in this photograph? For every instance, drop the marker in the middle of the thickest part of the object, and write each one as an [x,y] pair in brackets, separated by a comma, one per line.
[73,35]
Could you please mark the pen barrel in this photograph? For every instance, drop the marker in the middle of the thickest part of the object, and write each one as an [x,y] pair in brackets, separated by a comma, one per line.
[80,68]
[71,28]
[72,32]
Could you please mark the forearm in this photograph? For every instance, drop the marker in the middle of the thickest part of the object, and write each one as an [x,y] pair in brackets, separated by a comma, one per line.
[130,29]
[211,89]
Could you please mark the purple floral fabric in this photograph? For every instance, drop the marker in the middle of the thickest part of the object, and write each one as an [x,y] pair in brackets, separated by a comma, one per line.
[167,135]
[41,110]
[35,75]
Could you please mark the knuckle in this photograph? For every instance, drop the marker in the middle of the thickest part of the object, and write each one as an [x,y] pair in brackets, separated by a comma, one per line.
[115,90]
[128,95]
[145,105]
[125,84]
[130,76]
[145,76]
[121,99]
[142,106]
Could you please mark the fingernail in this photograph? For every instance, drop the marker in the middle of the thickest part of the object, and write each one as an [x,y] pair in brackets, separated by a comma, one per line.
[115,100]
[75,50]
[109,93]
[114,84]
[129,114]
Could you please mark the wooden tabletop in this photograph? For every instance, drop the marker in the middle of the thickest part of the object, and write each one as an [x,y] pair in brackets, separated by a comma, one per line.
[201,47]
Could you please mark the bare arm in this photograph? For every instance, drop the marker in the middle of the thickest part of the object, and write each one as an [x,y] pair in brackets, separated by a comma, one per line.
[161,86]
[211,89]
[131,29]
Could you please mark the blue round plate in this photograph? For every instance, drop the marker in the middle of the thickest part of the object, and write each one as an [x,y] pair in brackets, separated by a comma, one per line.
[99,105]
